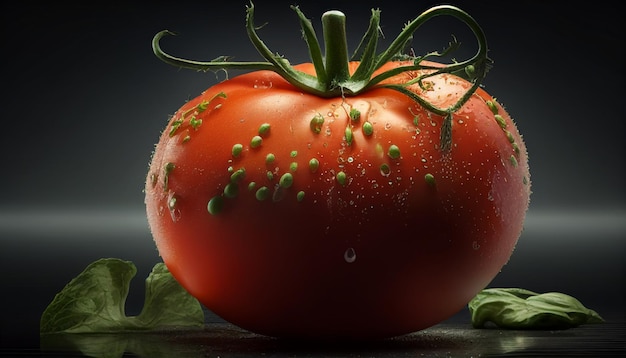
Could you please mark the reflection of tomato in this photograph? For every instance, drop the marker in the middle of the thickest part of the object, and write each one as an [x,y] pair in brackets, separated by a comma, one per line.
[287,216]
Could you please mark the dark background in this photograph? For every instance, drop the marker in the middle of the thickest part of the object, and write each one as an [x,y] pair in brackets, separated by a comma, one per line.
[85,99]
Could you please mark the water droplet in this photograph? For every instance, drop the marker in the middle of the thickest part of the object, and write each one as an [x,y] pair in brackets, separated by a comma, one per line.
[262,84]
[385,170]
[171,205]
[475,245]
[349,255]
[175,214]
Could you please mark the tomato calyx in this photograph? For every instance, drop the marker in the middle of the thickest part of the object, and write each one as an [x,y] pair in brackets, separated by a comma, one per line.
[332,76]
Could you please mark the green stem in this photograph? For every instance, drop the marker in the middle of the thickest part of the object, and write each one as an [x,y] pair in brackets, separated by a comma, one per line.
[333,78]
[334,26]
[279,64]
[218,63]
[400,42]
[366,50]
[315,52]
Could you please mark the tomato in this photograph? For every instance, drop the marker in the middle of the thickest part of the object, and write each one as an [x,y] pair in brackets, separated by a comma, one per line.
[295,215]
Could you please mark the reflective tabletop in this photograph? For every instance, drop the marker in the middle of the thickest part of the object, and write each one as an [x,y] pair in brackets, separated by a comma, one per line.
[578,254]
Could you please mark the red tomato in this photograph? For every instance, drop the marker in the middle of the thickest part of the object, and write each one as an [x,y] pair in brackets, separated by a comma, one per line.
[288,217]
[362,243]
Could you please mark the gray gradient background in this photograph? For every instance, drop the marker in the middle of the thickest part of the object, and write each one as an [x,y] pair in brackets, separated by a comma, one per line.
[85,100]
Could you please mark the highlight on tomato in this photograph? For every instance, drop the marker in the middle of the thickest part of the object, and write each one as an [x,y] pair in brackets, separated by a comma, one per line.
[353,197]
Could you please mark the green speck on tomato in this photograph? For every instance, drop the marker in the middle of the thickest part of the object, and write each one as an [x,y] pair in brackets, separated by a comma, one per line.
[393,152]
[341,178]
[171,203]
[349,135]
[256,141]
[262,193]
[167,170]
[231,190]
[510,137]
[316,123]
[195,122]
[430,180]
[368,128]
[238,175]
[215,205]
[300,196]
[501,121]
[286,180]
[516,148]
[202,106]
[385,170]
[416,120]
[175,125]
[237,149]
[355,114]
[264,129]
[492,106]
[269,159]
[314,164]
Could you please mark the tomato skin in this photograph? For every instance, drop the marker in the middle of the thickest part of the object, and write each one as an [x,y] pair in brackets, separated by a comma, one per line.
[283,266]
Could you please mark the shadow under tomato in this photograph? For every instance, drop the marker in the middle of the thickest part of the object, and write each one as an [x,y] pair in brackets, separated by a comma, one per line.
[227,340]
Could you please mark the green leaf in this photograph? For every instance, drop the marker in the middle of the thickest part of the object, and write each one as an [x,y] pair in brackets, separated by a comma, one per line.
[167,303]
[93,302]
[516,308]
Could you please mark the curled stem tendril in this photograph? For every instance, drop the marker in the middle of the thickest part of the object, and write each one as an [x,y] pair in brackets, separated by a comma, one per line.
[332,78]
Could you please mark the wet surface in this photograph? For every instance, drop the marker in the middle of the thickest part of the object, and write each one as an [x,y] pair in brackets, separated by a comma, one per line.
[578,255]
[443,340]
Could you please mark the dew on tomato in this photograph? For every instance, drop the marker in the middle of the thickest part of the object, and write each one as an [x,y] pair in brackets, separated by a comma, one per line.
[276,180]
[349,255]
